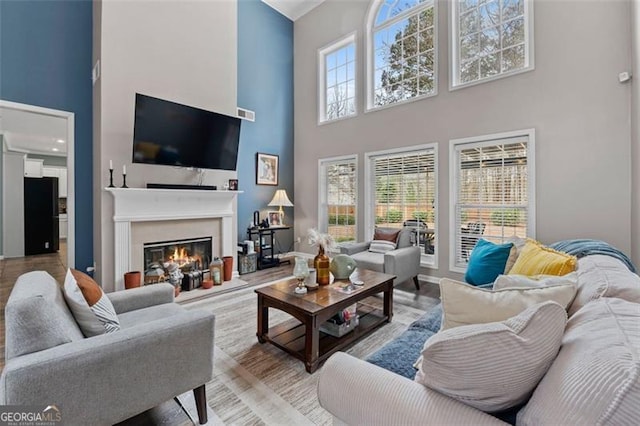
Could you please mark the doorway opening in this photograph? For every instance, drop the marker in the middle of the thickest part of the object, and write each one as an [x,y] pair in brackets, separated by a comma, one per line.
[37,143]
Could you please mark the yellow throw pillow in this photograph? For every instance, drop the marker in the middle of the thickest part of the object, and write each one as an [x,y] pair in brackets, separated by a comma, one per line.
[464,304]
[536,259]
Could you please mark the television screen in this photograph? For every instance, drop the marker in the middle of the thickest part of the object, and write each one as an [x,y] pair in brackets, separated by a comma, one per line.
[172,134]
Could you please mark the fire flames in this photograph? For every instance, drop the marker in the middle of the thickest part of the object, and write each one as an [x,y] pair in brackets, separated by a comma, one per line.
[182,258]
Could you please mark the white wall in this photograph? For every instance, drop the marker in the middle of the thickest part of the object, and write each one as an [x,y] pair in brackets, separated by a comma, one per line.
[184,51]
[572,99]
[635,131]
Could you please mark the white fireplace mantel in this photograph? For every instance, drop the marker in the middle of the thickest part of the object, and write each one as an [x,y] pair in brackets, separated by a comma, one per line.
[141,204]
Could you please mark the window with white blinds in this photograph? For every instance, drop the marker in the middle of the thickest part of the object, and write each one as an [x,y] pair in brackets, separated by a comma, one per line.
[492,191]
[338,197]
[402,193]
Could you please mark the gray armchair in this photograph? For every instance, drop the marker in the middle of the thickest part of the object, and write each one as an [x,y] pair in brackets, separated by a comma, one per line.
[403,262]
[161,351]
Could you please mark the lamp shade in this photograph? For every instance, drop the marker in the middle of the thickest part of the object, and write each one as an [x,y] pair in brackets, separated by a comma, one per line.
[281,199]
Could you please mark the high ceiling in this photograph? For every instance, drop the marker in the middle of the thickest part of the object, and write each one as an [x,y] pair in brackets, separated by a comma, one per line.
[33,132]
[293,9]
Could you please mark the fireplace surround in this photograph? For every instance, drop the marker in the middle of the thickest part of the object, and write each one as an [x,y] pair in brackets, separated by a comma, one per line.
[142,208]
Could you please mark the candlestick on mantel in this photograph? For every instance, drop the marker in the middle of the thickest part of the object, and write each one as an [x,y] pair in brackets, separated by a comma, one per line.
[124,169]
[111,185]
[110,164]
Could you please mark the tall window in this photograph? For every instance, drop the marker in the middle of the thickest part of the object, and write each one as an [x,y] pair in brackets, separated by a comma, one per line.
[402,193]
[491,39]
[338,197]
[402,44]
[337,82]
[492,187]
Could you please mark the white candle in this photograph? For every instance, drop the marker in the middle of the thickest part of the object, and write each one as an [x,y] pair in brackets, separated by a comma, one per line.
[110,164]
[124,169]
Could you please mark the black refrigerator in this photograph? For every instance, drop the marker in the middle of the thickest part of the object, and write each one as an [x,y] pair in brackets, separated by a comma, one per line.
[41,228]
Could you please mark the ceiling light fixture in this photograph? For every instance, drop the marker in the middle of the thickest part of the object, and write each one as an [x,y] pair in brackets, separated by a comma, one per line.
[55,149]
[60,140]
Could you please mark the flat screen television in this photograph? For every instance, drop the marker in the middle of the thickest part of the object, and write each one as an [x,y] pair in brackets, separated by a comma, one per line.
[173,134]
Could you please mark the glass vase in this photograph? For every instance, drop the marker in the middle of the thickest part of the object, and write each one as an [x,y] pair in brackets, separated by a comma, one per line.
[322,262]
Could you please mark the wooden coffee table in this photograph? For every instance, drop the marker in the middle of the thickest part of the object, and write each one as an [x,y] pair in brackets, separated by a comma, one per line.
[301,337]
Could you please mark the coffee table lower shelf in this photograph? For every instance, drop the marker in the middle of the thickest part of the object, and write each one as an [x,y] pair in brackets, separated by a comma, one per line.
[290,335]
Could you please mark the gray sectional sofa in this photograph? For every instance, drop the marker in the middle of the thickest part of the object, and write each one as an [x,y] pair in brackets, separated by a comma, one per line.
[595,378]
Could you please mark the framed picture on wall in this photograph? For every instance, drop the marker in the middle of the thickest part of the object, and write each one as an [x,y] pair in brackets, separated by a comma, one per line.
[266,169]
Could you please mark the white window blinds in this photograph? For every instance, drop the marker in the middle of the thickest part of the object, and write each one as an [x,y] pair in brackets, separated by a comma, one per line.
[405,194]
[338,198]
[491,199]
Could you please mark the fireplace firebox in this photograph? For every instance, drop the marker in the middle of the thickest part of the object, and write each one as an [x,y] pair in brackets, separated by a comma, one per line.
[192,256]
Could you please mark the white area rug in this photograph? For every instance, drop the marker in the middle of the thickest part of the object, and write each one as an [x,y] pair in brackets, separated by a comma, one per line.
[260,384]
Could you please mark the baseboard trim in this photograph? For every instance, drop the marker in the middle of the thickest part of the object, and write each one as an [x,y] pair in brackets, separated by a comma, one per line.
[429,279]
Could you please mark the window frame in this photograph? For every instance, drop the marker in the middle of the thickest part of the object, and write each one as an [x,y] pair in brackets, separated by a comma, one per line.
[454,36]
[426,260]
[369,26]
[323,52]
[323,218]
[481,141]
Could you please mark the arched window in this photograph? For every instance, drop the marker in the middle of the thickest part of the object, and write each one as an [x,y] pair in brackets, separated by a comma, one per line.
[401,51]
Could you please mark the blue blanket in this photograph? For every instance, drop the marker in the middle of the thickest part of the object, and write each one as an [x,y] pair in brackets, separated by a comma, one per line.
[581,248]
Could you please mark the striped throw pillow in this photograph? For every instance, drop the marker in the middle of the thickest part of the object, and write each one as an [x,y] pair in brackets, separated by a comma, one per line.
[381,246]
[494,366]
[91,308]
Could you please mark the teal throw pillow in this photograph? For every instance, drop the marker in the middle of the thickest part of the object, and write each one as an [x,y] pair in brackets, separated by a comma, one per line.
[486,262]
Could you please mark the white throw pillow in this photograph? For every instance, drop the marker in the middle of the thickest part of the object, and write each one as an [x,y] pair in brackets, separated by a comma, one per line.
[523,281]
[381,246]
[91,308]
[494,366]
[464,304]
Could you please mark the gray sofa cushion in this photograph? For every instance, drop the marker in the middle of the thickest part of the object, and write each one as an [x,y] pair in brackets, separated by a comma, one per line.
[369,260]
[151,313]
[54,325]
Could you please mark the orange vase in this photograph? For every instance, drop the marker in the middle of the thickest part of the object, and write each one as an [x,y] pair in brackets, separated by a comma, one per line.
[228,267]
[132,279]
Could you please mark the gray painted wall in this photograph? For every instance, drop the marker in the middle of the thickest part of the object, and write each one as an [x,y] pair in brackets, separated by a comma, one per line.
[13,214]
[180,51]
[572,99]
[635,132]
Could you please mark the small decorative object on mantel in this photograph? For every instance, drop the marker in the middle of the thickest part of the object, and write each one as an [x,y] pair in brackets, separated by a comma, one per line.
[321,261]
[342,266]
[233,184]
[111,185]
[124,176]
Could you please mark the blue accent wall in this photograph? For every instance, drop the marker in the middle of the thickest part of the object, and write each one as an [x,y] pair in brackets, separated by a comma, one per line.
[45,60]
[265,85]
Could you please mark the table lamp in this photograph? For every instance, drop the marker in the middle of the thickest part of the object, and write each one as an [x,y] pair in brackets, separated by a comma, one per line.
[281,199]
